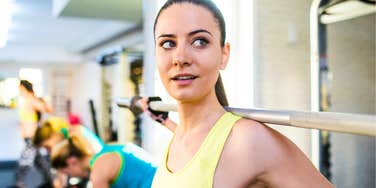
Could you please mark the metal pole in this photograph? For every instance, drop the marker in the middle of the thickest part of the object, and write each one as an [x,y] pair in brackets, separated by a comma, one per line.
[338,122]
[314,43]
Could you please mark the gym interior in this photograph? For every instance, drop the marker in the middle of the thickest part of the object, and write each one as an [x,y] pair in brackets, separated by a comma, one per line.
[295,55]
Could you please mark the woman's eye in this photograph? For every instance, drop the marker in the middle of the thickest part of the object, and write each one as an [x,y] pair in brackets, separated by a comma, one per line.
[167,44]
[200,42]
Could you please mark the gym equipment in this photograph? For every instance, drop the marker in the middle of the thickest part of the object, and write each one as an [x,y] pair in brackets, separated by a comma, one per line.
[338,122]
[94,117]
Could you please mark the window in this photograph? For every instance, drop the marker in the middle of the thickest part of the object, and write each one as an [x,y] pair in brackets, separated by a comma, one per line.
[8,92]
[35,76]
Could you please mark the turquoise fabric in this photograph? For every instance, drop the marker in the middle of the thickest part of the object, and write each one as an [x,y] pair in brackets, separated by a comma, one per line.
[95,141]
[136,169]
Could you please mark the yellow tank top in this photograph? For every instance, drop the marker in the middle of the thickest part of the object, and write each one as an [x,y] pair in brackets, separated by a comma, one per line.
[199,171]
[26,115]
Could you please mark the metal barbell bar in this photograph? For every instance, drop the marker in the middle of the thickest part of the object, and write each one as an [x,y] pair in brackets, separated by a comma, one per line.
[338,122]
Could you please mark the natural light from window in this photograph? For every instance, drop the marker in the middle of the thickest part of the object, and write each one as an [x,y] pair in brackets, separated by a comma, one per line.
[35,76]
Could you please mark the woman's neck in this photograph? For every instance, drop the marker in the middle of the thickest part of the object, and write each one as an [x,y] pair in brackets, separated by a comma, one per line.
[199,114]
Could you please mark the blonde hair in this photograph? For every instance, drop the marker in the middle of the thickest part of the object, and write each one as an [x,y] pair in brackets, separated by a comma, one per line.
[43,133]
[49,127]
[72,147]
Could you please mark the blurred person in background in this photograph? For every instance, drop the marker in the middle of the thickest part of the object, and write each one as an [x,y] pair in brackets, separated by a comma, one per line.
[115,166]
[55,130]
[31,109]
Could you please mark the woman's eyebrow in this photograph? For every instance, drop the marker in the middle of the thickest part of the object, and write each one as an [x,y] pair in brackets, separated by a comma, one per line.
[166,35]
[190,33]
[199,31]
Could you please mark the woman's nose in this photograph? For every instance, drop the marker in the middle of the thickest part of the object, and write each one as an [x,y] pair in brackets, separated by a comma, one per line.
[181,57]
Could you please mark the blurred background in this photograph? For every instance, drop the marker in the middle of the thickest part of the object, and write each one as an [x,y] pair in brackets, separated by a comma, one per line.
[311,55]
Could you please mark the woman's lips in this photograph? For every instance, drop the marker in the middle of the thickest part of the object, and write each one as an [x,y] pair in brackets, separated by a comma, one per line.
[183,79]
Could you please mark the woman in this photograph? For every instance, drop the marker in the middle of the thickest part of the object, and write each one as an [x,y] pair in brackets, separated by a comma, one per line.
[30,110]
[114,166]
[212,147]
[55,129]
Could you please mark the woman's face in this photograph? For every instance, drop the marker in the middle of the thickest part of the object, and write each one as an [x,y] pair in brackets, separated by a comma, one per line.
[188,50]
[74,168]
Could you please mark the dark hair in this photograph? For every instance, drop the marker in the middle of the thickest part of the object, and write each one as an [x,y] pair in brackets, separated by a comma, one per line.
[39,113]
[73,147]
[220,92]
[27,85]
[209,5]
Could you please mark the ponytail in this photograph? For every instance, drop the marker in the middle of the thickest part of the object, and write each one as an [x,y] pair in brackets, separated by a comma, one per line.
[72,147]
[220,92]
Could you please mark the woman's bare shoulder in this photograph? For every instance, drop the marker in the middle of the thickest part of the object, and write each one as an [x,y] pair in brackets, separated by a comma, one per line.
[106,167]
[261,142]
[251,150]
[108,160]
[263,153]
[248,130]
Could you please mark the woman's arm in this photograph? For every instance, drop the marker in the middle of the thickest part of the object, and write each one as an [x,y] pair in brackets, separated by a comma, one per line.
[273,158]
[168,123]
[105,170]
[40,105]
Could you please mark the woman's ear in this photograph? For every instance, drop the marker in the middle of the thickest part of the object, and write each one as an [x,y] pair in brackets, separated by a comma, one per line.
[225,56]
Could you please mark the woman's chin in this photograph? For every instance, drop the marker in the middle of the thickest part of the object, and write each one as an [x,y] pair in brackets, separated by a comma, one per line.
[185,97]
[182,96]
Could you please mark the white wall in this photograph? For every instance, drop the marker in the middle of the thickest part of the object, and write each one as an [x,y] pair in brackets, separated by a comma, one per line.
[238,77]
[282,61]
[85,86]
[152,132]
[11,142]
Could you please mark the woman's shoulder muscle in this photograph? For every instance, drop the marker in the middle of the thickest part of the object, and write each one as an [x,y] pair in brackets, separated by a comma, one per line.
[105,168]
[258,145]
[263,154]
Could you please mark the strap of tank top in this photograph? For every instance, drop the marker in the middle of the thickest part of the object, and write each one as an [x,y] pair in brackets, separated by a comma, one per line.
[217,138]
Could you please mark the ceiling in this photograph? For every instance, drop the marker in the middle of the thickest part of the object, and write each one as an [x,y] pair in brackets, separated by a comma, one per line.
[45,31]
